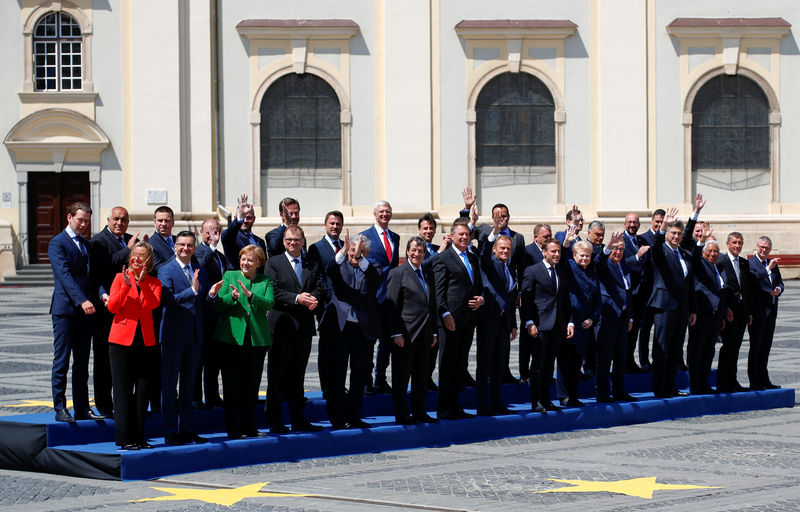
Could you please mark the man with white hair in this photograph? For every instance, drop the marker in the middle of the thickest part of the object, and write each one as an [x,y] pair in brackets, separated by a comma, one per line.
[767,287]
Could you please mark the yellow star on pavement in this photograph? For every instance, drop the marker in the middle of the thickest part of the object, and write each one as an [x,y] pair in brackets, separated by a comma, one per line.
[638,487]
[41,403]
[225,497]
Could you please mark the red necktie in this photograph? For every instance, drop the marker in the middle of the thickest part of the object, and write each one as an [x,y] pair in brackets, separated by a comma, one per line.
[388,246]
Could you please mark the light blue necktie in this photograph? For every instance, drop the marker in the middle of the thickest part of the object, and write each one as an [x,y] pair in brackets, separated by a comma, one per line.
[469,267]
[187,272]
[421,279]
[298,270]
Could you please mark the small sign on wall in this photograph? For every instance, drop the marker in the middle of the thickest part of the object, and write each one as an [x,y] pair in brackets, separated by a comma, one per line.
[156,196]
[6,200]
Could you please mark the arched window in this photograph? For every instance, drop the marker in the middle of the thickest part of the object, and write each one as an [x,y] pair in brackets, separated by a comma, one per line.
[57,53]
[515,135]
[730,134]
[301,140]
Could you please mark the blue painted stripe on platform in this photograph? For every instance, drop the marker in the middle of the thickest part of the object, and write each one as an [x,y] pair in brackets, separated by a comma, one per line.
[386,436]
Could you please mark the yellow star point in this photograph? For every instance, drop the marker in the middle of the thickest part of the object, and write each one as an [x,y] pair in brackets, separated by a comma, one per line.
[224,497]
[637,487]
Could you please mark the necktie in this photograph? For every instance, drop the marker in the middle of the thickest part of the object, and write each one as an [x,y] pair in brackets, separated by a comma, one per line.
[621,273]
[187,272]
[298,270]
[388,246]
[505,232]
[553,278]
[509,279]
[338,245]
[682,263]
[170,242]
[466,263]
[218,257]
[253,240]
[719,277]
[430,249]
[736,271]
[421,279]
[80,244]
[122,243]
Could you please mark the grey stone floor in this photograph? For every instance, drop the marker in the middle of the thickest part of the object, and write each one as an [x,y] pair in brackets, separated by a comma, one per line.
[744,462]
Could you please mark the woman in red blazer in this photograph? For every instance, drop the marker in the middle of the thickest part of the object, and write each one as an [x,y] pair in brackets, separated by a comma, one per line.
[132,344]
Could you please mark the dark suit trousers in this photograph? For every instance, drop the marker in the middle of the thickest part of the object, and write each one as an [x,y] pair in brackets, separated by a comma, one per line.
[612,343]
[546,347]
[525,354]
[570,357]
[644,335]
[208,367]
[410,361]
[453,361]
[178,366]
[670,329]
[130,367]
[71,336]
[101,369]
[384,348]
[492,356]
[286,372]
[353,347]
[761,332]
[729,351]
[242,367]
[700,350]
[637,313]
[155,379]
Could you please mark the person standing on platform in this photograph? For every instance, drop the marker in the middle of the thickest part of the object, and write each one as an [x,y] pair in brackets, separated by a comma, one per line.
[298,293]
[109,250]
[645,290]
[244,300]
[459,290]
[534,253]
[427,231]
[547,316]
[239,233]
[351,322]
[215,264]
[596,235]
[133,296]
[384,255]
[735,271]
[323,252]
[72,312]
[412,322]
[289,210]
[767,286]
[184,293]
[633,242]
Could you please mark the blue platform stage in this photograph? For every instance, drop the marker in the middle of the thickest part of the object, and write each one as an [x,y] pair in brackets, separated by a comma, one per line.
[36,442]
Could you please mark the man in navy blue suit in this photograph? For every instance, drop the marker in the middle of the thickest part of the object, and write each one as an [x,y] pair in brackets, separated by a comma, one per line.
[184,292]
[632,244]
[384,255]
[71,309]
[672,299]
[735,271]
[239,233]
[323,252]
[426,225]
[289,210]
[765,278]
[534,253]
[643,295]
[162,240]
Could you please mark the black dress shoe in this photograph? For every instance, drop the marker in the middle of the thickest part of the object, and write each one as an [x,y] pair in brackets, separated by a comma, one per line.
[194,438]
[305,426]
[108,414]
[679,393]
[405,420]
[175,439]
[604,399]
[468,381]
[662,395]
[89,415]
[448,415]
[215,402]
[382,387]
[550,406]
[432,385]
[129,446]
[484,411]
[198,404]
[369,389]
[572,402]
[255,433]
[625,398]
[340,425]
[501,411]
[633,367]
[65,416]
[772,386]
[359,423]
[646,367]
[425,418]
[682,367]
[738,387]
[279,429]
[234,436]
[464,414]
[538,407]
[510,379]
[144,445]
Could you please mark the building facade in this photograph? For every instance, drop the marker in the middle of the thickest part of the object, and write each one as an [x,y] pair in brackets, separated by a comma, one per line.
[615,105]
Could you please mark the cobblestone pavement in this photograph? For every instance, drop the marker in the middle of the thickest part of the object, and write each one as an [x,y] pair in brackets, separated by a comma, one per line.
[743,462]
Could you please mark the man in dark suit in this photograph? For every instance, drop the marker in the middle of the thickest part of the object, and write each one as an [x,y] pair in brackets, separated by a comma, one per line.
[645,289]
[767,285]
[289,210]
[215,264]
[596,233]
[633,242]
[672,300]
[615,275]
[351,321]
[534,253]
[497,321]
[297,294]
[546,315]
[239,233]
[574,219]
[323,252]
[711,300]
[412,324]
[109,250]
[735,271]
[459,290]
[184,292]
[162,239]
[72,310]
[384,255]
[427,231]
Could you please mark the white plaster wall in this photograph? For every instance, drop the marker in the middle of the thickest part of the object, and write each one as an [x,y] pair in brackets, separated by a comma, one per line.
[623,104]
[237,141]
[408,105]
[156,97]
[454,102]
[200,109]
[12,55]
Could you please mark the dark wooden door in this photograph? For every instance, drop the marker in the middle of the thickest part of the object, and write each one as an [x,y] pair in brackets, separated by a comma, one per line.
[49,195]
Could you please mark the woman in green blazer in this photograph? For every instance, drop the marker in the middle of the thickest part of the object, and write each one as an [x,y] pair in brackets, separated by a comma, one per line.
[243,336]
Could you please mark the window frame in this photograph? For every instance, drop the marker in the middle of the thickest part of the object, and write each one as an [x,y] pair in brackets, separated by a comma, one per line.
[59,42]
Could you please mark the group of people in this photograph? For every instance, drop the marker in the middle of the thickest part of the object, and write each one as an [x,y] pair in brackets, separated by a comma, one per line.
[165,314]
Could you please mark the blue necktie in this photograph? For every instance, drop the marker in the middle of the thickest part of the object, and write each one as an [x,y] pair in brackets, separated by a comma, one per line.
[509,279]
[122,242]
[553,278]
[80,244]
[421,279]
[187,272]
[298,270]
[469,267]
[170,242]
